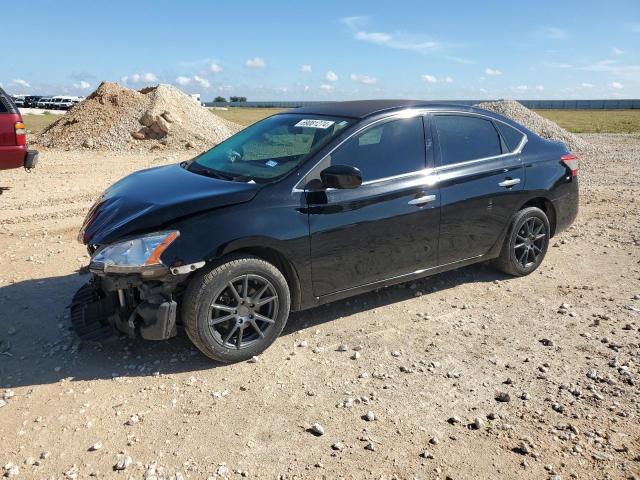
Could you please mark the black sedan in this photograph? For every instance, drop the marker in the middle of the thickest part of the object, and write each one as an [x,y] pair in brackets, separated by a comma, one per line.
[314,205]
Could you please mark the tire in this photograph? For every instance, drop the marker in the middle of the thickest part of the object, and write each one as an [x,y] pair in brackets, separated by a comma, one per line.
[526,244]
[261,294]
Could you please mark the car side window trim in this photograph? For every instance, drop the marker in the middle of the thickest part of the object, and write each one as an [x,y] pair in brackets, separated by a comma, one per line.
[517,151]
[427,122]
[404,114]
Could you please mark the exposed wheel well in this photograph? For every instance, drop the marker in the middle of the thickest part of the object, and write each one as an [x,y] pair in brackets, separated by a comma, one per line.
[278,260]
[547,207]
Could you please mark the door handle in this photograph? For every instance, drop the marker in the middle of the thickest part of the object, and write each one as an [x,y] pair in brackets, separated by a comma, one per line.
[422,200]
[509,182]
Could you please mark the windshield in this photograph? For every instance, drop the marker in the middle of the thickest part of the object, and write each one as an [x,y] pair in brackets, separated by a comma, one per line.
[269,149]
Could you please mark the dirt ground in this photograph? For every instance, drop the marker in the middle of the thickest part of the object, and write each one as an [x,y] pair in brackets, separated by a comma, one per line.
[562,346]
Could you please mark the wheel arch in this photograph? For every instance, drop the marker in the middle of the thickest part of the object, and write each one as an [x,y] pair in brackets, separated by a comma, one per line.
[546,206]
[269,253]
[538,201]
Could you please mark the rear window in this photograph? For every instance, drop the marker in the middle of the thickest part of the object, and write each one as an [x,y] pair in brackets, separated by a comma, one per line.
[512,137]
[464,138]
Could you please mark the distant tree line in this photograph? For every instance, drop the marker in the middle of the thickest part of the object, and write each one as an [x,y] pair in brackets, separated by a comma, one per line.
[231,99]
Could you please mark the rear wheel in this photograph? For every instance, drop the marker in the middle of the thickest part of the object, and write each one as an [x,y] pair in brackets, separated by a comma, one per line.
[236,309]
[526,243]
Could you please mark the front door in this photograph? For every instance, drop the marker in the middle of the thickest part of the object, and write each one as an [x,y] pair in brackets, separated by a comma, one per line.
[388,226]
[481,180]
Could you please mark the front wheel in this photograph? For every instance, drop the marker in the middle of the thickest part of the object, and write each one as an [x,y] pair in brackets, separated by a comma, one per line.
[234,310]
[526,243]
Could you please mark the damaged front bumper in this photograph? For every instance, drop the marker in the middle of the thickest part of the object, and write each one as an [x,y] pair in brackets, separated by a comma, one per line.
[130,303]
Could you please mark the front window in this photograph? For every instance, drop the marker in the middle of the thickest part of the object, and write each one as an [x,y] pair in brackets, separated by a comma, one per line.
[269,149]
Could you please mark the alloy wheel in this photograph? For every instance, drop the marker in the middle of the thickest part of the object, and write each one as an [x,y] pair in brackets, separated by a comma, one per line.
[243,310]
[530,242]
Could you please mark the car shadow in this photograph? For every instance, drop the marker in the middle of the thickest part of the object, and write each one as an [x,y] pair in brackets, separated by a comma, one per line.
[38,345]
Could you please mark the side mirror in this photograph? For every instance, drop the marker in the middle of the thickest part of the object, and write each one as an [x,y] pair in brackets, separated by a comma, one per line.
[341,176]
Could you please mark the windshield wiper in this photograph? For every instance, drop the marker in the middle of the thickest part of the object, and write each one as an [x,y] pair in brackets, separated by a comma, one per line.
[197,168]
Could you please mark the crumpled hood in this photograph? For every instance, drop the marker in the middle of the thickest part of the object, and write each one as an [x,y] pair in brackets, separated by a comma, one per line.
[149,199]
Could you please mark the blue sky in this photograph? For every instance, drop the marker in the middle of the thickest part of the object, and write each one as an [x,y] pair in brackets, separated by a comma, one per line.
[269,50]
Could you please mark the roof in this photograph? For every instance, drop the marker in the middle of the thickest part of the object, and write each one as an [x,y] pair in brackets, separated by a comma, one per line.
[365,108]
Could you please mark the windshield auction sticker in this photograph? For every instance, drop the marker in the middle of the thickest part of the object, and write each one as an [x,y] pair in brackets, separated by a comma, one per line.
[310,123]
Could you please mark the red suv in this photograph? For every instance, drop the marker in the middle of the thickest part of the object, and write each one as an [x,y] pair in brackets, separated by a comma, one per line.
[13,137]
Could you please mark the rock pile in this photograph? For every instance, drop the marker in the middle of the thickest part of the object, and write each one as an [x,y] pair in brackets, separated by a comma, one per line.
[118,118]
[537,124]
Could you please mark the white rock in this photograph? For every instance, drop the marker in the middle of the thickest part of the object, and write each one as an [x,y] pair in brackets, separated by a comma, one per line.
[123,462]
[317,429]
[133,419]
[11,470]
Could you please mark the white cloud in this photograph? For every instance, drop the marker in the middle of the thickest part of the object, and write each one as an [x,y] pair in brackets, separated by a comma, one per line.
[365,79]
[553,33]
[215,68]
[617,51]
[539,88]
[140,78]
[521,88]
[492,71]
[354,22]
[21,82]
[461,60]
[82,85]
[331,76]
[326,87]
[397,40]
[586,85]
[433,79]
[305,68]
[255,62]
[616,85]
[613,67]
[203,82]
[557,65]
[184,81]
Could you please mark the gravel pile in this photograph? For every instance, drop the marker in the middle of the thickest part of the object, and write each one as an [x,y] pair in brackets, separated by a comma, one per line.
[118,118]
[538,124]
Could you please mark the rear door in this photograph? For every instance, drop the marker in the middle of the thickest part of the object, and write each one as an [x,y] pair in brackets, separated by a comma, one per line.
[481,181]
[388,226]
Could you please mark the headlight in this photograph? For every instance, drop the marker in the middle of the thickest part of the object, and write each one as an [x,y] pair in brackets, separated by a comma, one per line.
[135,254]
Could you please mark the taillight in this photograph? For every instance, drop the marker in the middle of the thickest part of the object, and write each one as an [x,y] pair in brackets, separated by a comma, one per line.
[571,161]
[21,134]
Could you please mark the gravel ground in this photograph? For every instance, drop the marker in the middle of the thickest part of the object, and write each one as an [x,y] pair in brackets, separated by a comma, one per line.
[467,374]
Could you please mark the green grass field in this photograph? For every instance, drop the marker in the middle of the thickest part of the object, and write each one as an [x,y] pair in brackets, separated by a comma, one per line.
[37,123]
[595,121]
[577,121]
